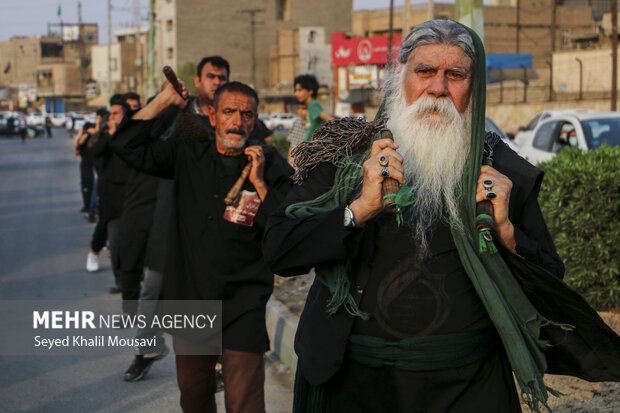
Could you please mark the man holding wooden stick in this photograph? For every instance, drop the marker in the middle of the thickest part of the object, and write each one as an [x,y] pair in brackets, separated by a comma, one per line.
[214,249]
[417,310]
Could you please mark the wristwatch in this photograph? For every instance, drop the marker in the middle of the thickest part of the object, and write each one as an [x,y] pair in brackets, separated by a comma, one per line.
[349,218]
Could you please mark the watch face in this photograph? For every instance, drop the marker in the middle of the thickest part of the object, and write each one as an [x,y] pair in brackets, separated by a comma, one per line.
[348,218]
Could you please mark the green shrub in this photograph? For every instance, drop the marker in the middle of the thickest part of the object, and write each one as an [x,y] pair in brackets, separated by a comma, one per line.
[281,143]
[580,199]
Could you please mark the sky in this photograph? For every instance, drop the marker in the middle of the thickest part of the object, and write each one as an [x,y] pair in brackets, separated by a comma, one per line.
[31,17]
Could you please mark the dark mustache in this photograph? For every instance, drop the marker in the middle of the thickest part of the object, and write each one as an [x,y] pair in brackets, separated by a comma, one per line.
[237,131]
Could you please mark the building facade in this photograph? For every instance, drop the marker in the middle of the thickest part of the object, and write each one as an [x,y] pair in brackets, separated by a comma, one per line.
[53,70]
[245,32]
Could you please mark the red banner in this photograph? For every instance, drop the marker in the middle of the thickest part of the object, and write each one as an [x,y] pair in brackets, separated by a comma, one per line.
[362,50]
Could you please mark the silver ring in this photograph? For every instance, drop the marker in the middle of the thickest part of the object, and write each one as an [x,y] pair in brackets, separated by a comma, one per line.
[491,195]
[385,172]
[384,160]
[487,184]
[259,154]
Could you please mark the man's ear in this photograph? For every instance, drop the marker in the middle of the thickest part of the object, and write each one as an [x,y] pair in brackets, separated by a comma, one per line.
[196,81]
[212,115]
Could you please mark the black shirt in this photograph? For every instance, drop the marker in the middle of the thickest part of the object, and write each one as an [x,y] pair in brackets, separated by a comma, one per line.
[210,258]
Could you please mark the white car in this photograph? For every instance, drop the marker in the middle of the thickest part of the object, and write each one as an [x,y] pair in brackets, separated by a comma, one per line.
[585,131]
[74,121]
[35,119]
[526,131]
[281,121]
[58,119]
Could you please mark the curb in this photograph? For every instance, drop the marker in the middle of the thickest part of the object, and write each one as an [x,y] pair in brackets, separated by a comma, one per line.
[281,328]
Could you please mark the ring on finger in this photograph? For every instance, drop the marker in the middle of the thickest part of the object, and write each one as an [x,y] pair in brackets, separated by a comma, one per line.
[259,154]
[487,184]
[384,160]
[491,195]
[385,172]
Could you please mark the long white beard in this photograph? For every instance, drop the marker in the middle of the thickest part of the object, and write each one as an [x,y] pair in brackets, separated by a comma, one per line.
[433,138]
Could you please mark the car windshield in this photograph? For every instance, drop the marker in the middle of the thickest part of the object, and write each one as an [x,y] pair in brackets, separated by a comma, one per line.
[602,131]
[490,126]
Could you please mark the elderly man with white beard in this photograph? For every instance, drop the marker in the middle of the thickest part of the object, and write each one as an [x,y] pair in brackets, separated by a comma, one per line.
[415,309]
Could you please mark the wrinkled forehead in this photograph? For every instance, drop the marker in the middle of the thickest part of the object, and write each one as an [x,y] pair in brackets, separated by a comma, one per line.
[236,100]
[437,32]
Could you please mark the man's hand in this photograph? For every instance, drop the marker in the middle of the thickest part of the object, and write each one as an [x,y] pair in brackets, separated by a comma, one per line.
[167,97]
[370,202]
[112,127]
[501,187]
[258,167]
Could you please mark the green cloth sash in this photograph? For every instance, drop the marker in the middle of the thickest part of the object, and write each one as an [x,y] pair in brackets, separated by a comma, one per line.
[515,319]
[425,353]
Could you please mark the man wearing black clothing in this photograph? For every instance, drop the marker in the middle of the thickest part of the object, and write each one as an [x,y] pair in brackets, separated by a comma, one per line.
[114,173]
[409,310]
[214,251]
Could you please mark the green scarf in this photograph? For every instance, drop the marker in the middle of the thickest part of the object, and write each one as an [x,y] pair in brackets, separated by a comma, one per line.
[515,319]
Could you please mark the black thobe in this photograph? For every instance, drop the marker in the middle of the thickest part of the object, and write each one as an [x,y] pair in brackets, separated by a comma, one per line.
[294,246]
[210,258]
[114,172]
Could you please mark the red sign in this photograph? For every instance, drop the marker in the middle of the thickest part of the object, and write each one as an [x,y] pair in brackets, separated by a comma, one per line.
[362,50]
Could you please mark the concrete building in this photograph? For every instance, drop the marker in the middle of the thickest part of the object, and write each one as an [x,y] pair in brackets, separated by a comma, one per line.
[128,72]
[244,32]
[53,70]
[297,51]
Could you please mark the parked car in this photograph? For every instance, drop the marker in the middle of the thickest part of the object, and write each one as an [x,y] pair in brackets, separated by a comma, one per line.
[35,119]
[75,121]
[491,126]
[58,119]
[526,131]
[281,121]
[264,118]
[586,131]
[9,126]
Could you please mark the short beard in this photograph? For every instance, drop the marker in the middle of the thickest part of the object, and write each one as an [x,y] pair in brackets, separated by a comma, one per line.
[434,140]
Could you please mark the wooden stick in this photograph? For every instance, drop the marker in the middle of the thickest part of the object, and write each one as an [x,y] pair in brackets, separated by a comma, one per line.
[173,79]
[236,188]
[390,185]
[485,207]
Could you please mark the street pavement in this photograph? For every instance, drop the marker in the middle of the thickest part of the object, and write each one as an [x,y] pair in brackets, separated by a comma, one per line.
[43,246]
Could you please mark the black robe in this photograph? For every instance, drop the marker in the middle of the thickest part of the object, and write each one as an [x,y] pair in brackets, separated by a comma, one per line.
[208,257]
[295,246]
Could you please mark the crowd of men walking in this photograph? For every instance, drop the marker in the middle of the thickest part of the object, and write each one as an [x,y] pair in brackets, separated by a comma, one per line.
[410,311]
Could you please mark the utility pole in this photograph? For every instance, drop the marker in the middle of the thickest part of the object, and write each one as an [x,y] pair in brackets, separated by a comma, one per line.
[614,54]
[553,24]
[406,18]
[518,22]
[390,32]
[82,49]
[151,58]
[431,9]
[109,48]
[252,13]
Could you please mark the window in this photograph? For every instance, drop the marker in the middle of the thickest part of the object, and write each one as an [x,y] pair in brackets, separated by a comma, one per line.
[170,53]
[282,10]
[544,137]
[567,133]
[311,36]
[169,25]
[113,63]
[533,122]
